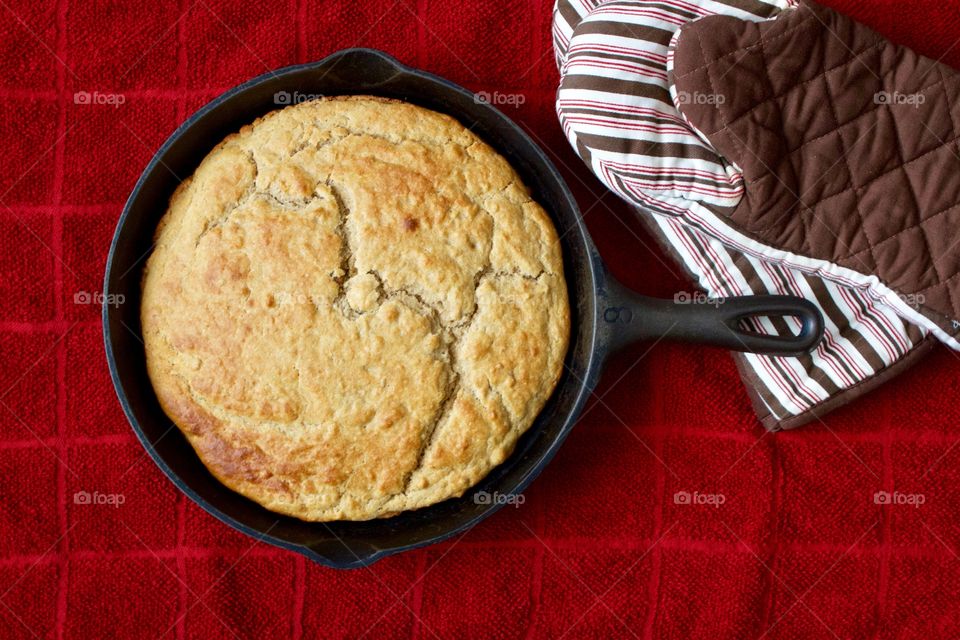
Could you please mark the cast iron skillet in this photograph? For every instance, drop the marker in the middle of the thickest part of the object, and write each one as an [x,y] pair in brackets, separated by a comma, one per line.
[605,316]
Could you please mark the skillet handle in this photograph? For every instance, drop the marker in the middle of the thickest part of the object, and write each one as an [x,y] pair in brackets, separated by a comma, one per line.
[630,317]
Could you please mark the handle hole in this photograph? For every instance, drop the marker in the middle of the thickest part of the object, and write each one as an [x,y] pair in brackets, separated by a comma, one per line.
[755,325]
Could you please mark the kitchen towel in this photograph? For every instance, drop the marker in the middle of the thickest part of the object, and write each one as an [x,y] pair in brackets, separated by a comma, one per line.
[606,543]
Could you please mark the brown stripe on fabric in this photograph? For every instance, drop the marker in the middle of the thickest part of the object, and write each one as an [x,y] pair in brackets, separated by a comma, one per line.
[815,372]
[914,333]
[863,345]
[623,57]
[698,180]
[643,32]
[584,152]
[576,80]
[570,15]
[632,117]
[829,306]
[645,147]
[880,325]
[796,388]
[689,14]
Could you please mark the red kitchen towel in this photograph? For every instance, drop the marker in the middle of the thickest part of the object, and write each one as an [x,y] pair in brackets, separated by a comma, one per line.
[669,513]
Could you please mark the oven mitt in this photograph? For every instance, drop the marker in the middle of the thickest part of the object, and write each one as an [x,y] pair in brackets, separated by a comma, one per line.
[846,146]
[615,107]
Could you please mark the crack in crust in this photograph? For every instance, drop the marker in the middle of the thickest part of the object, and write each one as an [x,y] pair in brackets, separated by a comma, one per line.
[349,270]
[427,324]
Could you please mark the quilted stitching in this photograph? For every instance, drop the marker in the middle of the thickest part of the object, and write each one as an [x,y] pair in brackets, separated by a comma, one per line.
[865,333]
[918,221]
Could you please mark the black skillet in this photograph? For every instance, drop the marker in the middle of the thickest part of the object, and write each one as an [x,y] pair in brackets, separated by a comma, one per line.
[605,315]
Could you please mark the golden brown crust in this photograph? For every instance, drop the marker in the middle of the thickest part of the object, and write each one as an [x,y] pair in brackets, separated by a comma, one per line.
[354,308]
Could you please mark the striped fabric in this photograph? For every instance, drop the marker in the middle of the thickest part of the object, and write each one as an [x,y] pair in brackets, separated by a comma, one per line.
[616,109]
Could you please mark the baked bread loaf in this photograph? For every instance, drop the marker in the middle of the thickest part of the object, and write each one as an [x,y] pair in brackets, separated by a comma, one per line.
[354,308]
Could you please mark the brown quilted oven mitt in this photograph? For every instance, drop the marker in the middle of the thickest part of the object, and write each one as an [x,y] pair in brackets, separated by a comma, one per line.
[848,145]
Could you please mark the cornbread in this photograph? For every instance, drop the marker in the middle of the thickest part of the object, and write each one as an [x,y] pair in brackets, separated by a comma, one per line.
[354,308]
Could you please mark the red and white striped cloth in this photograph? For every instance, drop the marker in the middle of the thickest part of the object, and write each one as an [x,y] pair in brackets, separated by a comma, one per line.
[619,112]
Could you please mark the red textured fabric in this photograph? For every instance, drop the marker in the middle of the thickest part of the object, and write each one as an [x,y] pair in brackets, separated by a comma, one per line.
[601,548]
